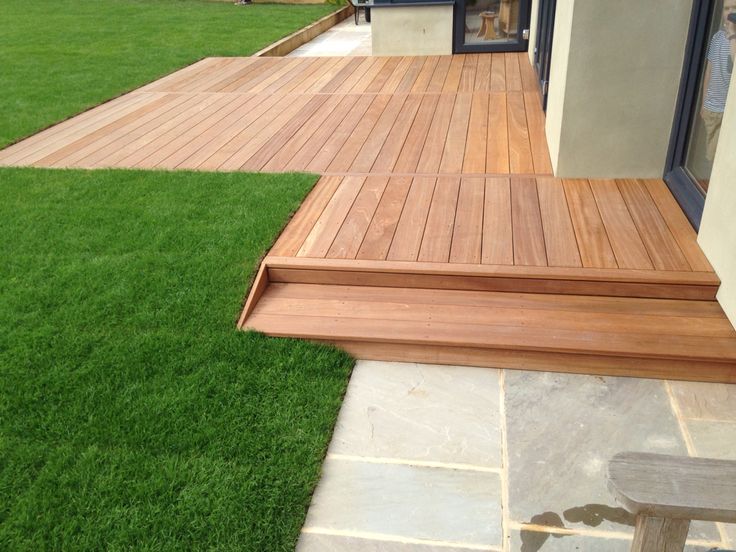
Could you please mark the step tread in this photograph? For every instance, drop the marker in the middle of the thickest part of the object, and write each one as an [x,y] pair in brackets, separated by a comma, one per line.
[626,327]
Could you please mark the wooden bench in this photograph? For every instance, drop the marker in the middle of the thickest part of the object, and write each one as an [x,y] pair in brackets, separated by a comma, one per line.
[666,492]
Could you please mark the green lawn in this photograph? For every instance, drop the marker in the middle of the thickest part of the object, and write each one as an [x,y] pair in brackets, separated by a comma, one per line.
[132,414]
[63,56]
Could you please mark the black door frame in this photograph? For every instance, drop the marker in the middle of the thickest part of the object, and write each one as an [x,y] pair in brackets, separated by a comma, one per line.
[458,38]
[682,185]
[543,45]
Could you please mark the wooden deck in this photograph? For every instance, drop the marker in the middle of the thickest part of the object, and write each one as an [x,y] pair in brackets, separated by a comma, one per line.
[443,114]
[592,276]
[436,233]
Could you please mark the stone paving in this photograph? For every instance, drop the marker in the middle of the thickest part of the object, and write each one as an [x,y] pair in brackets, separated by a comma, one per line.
[428,457]
[344,39]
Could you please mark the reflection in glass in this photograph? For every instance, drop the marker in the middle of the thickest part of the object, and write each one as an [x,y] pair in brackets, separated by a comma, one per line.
[713,90]
[493,21]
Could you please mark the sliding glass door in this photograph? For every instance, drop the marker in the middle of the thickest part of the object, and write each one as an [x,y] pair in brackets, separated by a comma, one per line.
[703,92]
[491,25]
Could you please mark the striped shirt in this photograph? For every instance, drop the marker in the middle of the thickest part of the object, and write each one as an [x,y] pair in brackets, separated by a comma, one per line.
[721,63]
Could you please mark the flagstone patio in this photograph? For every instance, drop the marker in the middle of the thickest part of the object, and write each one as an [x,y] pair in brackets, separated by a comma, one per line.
[428,457]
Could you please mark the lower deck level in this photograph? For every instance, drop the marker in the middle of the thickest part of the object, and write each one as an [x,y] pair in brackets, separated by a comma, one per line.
[592,276]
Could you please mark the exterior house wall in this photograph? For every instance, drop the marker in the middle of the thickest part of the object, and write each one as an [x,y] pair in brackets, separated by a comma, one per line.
[717,236]
[557,79]
[412,30]
[615,74]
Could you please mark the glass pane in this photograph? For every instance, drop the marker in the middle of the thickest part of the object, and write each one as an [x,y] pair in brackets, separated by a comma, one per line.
[491,21]
[712,92]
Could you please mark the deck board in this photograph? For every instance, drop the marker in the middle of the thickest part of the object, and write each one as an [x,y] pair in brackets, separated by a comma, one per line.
[518,221]
[408,128]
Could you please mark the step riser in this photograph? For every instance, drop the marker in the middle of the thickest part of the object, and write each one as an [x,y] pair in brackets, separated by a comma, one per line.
[543,361]
[481,283]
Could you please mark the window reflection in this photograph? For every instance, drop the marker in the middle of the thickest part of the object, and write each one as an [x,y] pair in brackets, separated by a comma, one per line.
[713,91]
[491,21]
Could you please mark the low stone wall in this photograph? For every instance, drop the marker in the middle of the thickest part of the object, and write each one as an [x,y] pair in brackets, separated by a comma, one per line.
[302,36]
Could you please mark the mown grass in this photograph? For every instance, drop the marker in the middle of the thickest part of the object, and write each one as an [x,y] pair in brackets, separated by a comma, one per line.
[63,56]
[132,414]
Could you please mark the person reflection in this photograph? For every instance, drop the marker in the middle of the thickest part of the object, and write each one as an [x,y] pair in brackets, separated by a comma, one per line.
[721,53]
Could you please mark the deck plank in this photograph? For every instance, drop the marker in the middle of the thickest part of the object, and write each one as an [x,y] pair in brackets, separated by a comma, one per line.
[319,140]
[415,141]
[454,150]
[438,231]
[467,236]
[620,228]
[381,231]
[475,150]
[290,241]
[410,229]
[320,238]
[679,226]
[498,73]
[352,146]
[425,75]
[397,136]
[537,137]
[439,75]
[520,153]
[529,246]
[498,241]
[497,147]
[659,241]
[593,243]
[353,230]
[559,236]
[513,73]
[338,140]
[434,145]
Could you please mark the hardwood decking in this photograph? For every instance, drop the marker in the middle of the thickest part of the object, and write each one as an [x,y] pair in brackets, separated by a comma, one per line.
[441,114]
[599,276]
[436,232]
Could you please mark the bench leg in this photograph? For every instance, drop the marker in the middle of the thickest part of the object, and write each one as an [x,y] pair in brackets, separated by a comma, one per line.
[654,534]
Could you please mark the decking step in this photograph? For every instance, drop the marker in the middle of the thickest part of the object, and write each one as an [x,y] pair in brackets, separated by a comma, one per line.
[664,284]
[666,338]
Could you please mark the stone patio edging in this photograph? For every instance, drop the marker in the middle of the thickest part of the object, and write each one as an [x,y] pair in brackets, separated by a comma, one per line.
[302,36]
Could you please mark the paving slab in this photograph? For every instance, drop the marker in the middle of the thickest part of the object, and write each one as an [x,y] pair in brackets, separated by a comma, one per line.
[421,412]
[454,506]
[563,429]
[706,401]
[310,542]
[344,39]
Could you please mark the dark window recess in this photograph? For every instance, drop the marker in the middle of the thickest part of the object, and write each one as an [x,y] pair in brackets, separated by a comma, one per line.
[543,48]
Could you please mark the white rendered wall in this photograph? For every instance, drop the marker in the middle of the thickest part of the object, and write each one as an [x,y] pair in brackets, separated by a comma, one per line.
[412,31]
